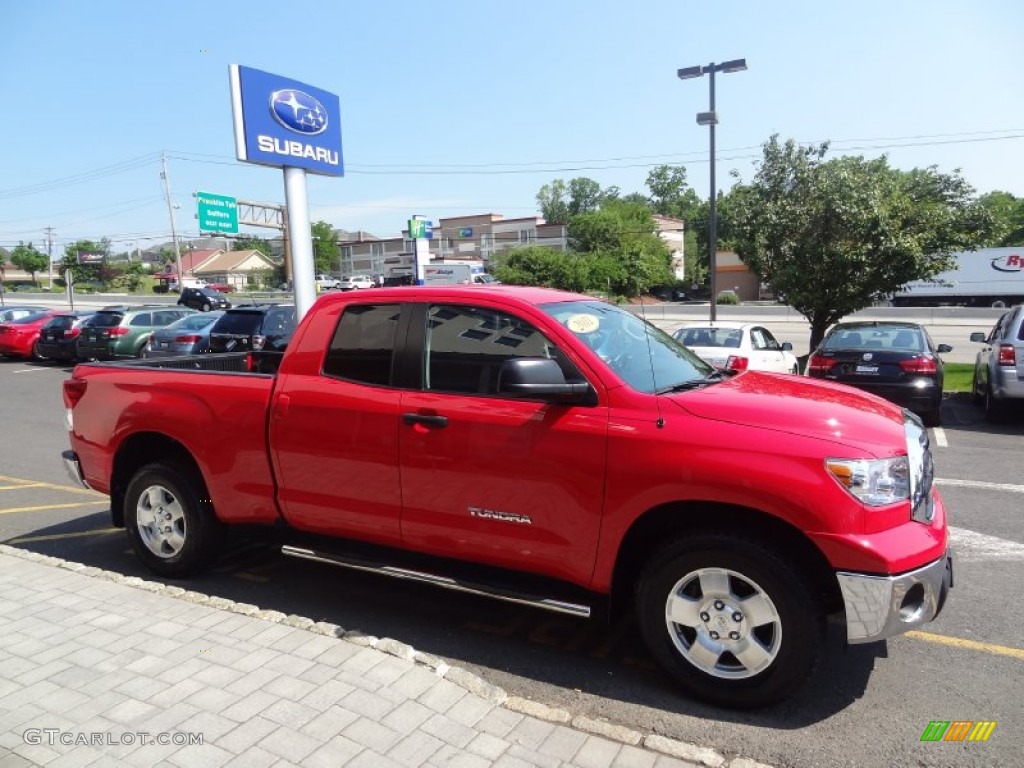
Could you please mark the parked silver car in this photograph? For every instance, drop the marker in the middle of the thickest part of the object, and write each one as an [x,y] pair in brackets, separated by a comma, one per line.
[188,336]
[999,366]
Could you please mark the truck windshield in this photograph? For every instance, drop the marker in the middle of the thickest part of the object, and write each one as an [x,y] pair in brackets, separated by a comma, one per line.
[645,357]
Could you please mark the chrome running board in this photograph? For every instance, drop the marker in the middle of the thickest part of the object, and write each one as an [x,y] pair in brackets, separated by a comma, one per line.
[446,582]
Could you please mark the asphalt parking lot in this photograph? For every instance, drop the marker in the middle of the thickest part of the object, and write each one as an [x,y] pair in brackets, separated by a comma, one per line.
[866,706]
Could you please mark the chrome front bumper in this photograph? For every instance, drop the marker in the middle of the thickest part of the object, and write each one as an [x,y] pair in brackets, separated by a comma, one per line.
[74,468]
[878,607]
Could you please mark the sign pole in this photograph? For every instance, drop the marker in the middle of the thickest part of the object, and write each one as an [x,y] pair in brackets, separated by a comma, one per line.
[301,235]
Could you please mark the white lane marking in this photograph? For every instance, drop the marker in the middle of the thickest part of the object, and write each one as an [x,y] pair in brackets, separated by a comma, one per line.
[969,545]
[30,370]
[940,437]
[980,484]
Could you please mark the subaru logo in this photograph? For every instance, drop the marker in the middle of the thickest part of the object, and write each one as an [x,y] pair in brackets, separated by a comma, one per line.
[868,355]
[298,111]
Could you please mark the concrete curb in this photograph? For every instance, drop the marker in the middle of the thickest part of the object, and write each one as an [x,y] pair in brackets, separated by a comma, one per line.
[456,675]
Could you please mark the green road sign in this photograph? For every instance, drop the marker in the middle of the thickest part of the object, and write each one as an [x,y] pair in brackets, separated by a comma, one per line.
[217,213]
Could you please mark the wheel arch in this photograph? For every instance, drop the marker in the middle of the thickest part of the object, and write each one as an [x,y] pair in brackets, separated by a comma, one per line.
[660,524]
[134,453]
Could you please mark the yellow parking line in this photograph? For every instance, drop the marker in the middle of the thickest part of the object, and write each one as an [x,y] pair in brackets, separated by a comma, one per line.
[55,536]
[9,510]
[19,487]
[55,486]
[970,645]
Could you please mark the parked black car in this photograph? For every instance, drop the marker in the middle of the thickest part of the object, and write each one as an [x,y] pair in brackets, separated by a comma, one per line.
[58,339]
[897,361]
[203,299]
[257,327]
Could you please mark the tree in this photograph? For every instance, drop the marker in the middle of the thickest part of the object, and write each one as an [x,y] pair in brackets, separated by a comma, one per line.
[552,202]
[97,272]
[559,201]
[27,258]
[1008,211]
[626,233]
[671,194]
[538,265]
[253,243]
[833,236]
[325,247]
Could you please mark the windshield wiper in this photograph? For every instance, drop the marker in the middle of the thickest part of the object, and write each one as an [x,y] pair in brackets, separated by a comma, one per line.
[712,378]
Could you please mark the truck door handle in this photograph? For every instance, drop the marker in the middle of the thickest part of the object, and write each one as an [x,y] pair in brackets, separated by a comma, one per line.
[423,418]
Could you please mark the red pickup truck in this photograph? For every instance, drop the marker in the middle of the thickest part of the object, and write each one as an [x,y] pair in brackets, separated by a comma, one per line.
[542,447]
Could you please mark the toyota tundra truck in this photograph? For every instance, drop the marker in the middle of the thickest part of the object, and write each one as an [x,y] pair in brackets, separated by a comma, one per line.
[541,447]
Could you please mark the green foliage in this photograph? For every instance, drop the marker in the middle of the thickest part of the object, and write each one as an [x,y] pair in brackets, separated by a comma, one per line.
[537,265]
[253,243]
[86,273]
[325,247]
[129,275]
[831,236]
[727,297]
[27,258]
[559,201]
[671,194]
[1008,212]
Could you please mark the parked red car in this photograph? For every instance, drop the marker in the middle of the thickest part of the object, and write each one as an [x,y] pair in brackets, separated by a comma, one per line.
[18,337]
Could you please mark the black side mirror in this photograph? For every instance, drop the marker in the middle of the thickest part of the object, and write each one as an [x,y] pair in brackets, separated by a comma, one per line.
[787,347]
[943,349]
[540,378]
[978,336]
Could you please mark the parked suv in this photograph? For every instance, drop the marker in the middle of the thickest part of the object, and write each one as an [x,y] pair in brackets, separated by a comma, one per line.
[999,366]
[326,282]
[356,282]
[58,338]
[122,331]
[204,299]
[256,327]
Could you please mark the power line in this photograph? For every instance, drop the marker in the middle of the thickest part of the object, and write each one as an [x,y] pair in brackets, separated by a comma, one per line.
[79,178]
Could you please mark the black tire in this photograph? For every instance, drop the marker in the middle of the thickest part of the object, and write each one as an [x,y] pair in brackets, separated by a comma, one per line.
[976,397]
[206,307]
[932,418]
[192,535]
[995,411]
[35,352]
[782,644]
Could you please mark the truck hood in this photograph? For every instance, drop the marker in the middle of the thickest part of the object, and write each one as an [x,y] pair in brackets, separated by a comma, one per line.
[801,406]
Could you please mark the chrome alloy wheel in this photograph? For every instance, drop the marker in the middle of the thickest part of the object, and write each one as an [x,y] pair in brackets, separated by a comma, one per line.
[723,623]
[160,521]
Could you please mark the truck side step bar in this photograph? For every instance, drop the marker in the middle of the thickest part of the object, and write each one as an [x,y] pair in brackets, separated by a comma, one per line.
[447,582]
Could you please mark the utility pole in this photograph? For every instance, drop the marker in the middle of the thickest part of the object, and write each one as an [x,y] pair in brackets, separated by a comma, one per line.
[170,212]
[49,253]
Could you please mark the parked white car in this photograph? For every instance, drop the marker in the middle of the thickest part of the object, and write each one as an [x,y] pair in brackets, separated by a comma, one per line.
[738,346]
[355,282]
[327,282]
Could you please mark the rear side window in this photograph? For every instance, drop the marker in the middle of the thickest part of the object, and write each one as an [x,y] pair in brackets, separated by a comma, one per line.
[364,344]
[106,320]
[244,323]
[61,323]
[280,320]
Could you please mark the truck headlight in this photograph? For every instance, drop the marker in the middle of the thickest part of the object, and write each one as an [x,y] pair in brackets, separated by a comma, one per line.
[876,482]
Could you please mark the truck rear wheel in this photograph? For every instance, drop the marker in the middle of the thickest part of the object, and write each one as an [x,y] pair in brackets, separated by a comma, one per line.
[729,620]
[170,520]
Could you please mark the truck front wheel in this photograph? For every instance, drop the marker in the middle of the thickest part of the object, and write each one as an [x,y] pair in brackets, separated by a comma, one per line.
[170,520]
[729,620]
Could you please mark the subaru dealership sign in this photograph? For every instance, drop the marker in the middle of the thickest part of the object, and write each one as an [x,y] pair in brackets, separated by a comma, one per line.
[281,122]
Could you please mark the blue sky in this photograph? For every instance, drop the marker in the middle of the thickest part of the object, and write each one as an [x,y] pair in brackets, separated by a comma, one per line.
[462,107]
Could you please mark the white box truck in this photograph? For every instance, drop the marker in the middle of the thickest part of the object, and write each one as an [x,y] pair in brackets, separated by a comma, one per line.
[456,274]
[990,277]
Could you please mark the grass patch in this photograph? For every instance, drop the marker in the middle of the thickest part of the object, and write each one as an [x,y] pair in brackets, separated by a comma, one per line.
[959,377]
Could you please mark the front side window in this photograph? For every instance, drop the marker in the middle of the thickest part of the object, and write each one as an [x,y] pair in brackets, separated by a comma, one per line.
[363,346]
[645,357]
[466,346]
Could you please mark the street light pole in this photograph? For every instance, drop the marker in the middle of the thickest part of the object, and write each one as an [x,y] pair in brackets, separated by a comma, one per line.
[710,119]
